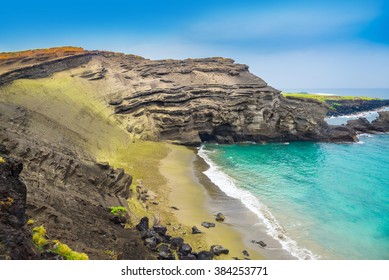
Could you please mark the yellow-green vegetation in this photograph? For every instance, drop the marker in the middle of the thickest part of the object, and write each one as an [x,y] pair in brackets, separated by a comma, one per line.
[64,250]
[323,98]
[39,238]
[30,222]
[118,210]
[2,160]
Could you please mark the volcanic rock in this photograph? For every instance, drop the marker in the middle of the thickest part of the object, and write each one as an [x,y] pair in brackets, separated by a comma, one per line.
[207,224]
[15,239]
[204,255]
[195,230]
[185,249]
[176,242]
[220,217]
[218,250]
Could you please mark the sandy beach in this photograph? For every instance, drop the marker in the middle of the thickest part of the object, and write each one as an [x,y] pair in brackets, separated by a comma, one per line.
[193,195]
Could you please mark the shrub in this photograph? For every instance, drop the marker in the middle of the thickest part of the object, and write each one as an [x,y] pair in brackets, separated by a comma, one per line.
[2,160]
[39,234]
[118,210]
[38,237]
[65,251]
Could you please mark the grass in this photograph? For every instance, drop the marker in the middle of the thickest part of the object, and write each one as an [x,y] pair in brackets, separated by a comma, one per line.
[324,98]
[39,238]
[118,210]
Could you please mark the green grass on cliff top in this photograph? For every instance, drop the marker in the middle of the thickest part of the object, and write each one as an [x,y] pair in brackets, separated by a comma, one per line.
[324,98]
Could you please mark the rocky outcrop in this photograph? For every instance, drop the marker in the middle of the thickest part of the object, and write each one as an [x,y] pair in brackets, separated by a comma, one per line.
[46,68]
[68,192]
[15,239]
[348,107]
[214,99]
[379,125]
[382,122]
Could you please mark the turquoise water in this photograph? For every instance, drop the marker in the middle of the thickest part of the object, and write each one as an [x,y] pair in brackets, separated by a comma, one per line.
[332,199]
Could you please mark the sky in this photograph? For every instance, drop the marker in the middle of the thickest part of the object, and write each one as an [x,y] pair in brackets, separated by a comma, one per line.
[290,44]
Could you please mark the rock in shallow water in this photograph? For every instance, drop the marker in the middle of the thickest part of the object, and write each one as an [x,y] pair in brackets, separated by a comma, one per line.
[220,217]
[263,244]
[245,253]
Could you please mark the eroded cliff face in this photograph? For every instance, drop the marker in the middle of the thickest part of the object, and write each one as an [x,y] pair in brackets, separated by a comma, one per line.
[214,99]
[190,101]
[67,190]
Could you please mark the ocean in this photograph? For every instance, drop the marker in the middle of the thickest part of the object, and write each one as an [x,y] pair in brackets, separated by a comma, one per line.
[317,200]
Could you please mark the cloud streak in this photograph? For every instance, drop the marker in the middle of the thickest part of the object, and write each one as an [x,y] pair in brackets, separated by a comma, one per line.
[284,23]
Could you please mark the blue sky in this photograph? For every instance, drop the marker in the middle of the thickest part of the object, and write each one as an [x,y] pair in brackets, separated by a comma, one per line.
[290,44]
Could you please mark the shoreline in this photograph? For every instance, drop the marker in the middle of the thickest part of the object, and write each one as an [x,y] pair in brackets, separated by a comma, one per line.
[246,219]
[192,194]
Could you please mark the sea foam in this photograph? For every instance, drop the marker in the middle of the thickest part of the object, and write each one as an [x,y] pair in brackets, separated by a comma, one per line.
[274,229]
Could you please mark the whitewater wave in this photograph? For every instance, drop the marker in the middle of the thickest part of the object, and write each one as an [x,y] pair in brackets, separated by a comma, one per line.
[365,135]
[274,229]
[372,113]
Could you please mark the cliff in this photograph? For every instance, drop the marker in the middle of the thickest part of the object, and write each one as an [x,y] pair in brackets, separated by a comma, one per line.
[190,101]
